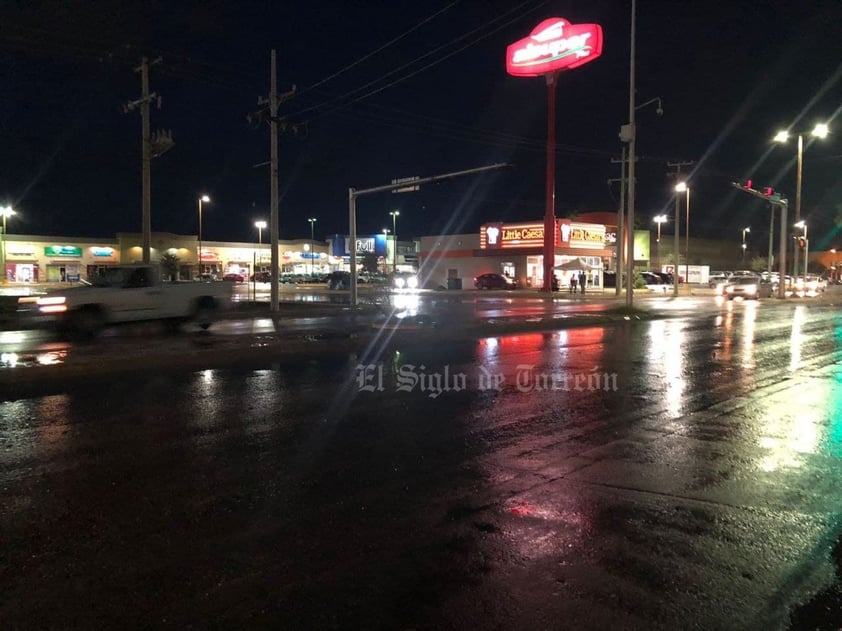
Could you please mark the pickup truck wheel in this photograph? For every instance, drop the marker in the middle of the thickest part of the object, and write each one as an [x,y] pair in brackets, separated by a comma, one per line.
[205,312]
[87,322]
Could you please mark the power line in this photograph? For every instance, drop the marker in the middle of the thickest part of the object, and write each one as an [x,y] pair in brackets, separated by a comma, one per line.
[380,49]
[420,58]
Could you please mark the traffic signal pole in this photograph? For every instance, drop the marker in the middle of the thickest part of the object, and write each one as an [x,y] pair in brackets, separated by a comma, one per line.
[774,199]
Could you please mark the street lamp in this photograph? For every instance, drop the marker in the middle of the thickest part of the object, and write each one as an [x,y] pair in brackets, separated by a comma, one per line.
[659,219]
[312,221]
[682,187]
[395,214]
[821,130]
[803,225]
[746,229]
[6,212]
[204,199]
[260,225]
[386,257]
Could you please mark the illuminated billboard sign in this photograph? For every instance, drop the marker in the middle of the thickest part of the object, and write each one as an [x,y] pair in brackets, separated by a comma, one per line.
[520,235]
[554,45]
[581,235]
[62,250]
[374,244]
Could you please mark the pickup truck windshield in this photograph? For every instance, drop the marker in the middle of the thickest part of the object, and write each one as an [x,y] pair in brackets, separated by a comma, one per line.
[122,277]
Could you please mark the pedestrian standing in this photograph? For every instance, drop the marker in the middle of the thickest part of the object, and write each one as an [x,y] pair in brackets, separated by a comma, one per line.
[572,282]
[583,280]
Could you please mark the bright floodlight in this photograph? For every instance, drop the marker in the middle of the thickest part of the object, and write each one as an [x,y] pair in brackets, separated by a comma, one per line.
[681,187]
[821,131]
[747,229]
[660,219]
[6,211]
[261,225]
[800,224]
[781,136]
[205,199]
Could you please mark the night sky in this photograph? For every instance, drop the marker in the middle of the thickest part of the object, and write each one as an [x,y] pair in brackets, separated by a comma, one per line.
[393,88]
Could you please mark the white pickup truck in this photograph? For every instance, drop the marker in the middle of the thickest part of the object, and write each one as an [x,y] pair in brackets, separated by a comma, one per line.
[132,293]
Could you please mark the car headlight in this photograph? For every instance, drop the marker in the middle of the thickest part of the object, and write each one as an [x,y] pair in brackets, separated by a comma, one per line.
[751,289]
[52,304]
[730,289]
[399,282]
[412,282]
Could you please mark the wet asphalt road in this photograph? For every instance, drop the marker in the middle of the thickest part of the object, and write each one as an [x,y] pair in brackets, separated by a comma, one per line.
[679,473]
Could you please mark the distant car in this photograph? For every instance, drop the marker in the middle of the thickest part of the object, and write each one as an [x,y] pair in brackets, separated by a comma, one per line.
[235,277]
[664,276]
[748,287]
[815,284]
[404,280]
[655,282]
[717,281]
[261,277]
[339,280]
[495,281]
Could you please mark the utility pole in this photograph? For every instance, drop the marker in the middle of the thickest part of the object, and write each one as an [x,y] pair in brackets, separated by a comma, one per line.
[273,102]
[151,147]
[628,134]
[676,175]
[620,218]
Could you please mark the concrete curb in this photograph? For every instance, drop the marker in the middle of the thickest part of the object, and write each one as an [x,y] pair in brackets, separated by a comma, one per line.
[207,352]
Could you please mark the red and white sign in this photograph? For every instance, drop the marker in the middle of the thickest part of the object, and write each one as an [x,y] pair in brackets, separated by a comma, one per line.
[553,45]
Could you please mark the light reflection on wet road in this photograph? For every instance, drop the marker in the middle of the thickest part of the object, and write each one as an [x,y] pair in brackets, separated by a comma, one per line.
[681,473]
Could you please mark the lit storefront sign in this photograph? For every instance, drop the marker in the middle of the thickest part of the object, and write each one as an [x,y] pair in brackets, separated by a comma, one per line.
[99,252]
[522,235]
[209,255]
[375,244]
[62,250]
[568,233]
[26,251]
[554,45]
[581,235]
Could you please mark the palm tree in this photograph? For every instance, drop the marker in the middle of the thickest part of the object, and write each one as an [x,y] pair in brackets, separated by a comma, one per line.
[169,263]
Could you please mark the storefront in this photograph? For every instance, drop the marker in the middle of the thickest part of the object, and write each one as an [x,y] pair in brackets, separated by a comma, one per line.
[64,263]
[22,264]
[516,250]
[210,263]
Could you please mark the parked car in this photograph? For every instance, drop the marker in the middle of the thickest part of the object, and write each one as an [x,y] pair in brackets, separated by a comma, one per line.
[666,277]
[234,277]
[261,277]
[495,281]
[339,280]
[717,281]
[654,282]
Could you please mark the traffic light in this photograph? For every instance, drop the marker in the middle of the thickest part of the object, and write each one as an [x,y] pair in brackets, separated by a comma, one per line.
[802,242]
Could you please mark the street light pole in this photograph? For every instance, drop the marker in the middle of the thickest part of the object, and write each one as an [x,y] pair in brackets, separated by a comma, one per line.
[386,258]
[687,240]
[679,188]
[6,212]
[395,214]
[312,221]
[746,229]
[205,199]
[260,225]
[659,219]
[821,130]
